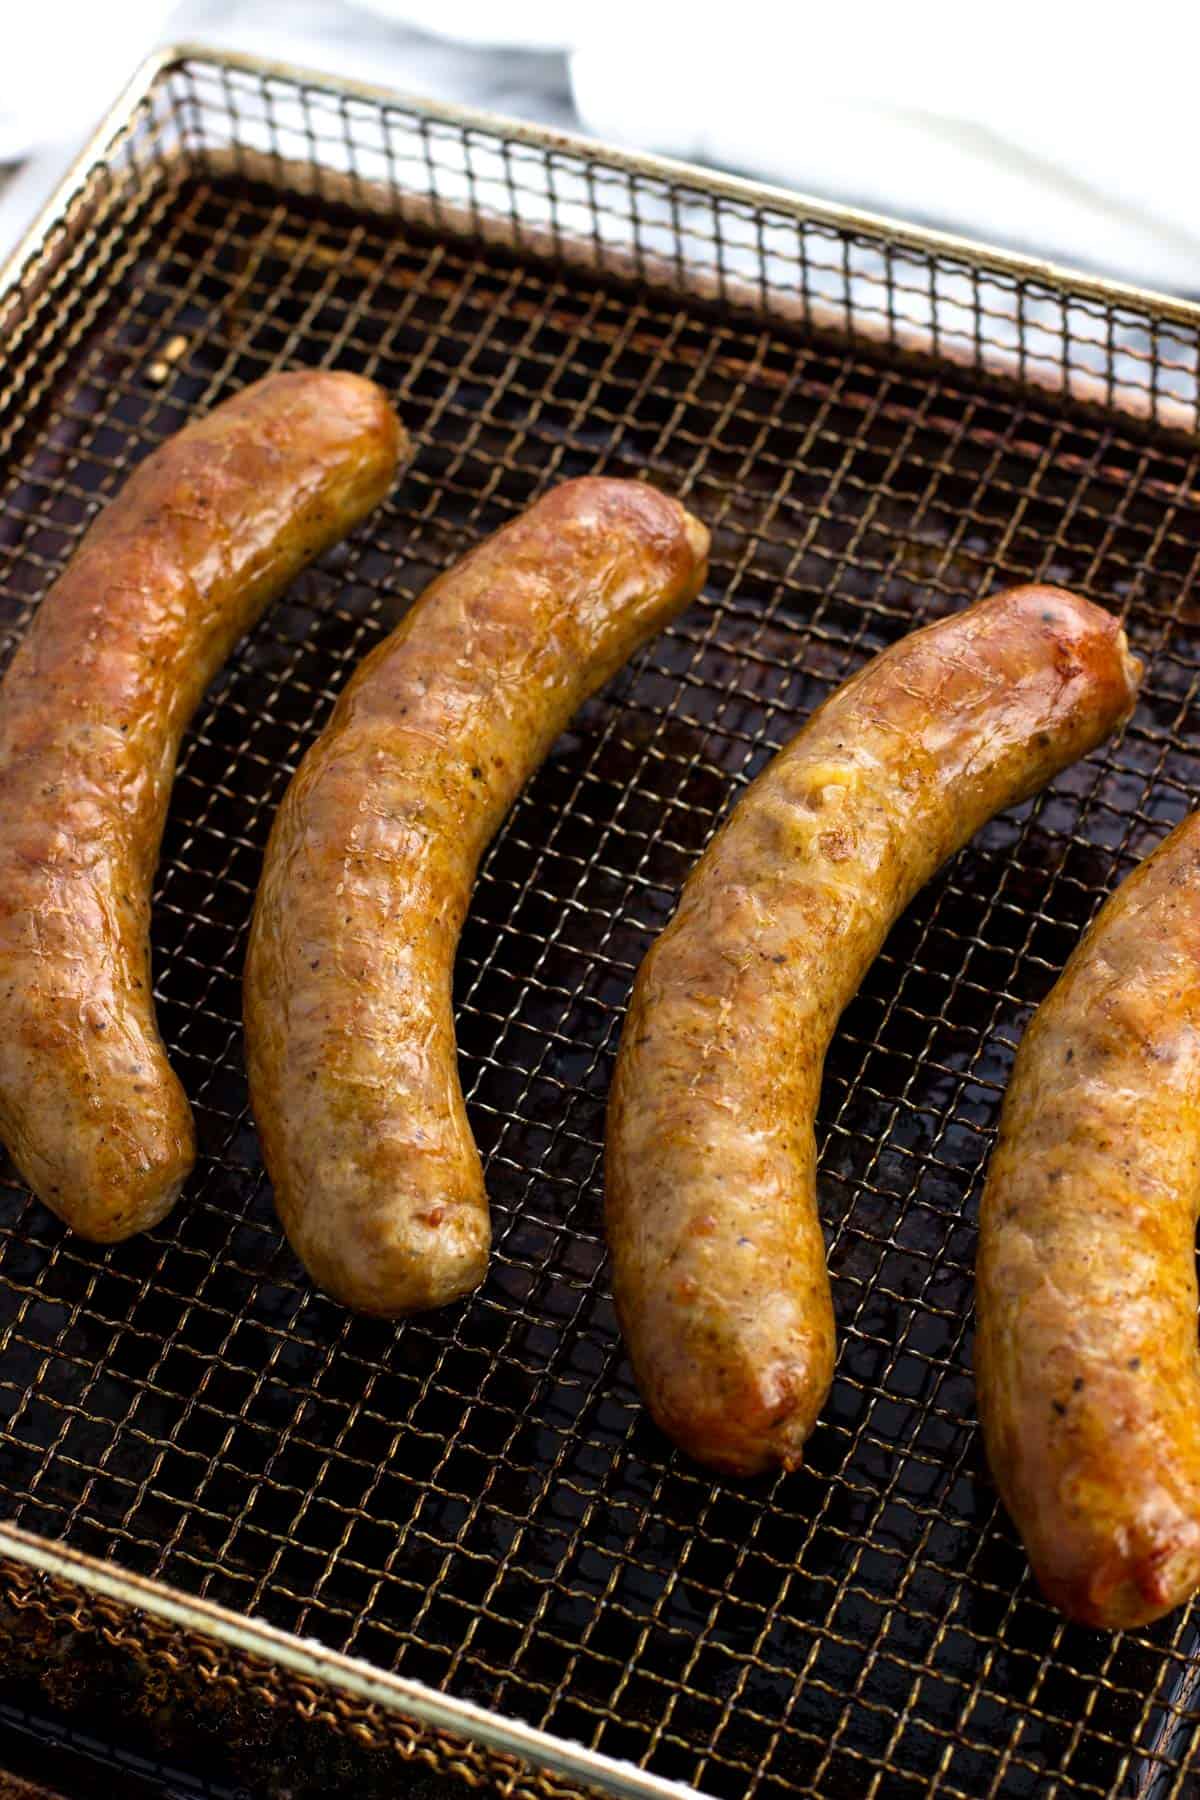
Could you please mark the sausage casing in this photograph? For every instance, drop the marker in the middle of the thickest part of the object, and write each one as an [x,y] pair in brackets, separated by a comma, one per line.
[1086,1356]
[206,531]
[718,1261]
[370,866]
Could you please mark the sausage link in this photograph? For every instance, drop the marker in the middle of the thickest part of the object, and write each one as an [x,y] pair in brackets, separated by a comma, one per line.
[1086,1354]
[718,1261]
[368,876]
[209,528]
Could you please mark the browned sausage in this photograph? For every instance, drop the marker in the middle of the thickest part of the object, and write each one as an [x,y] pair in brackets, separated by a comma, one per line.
[718,1261]
[1086,1355]
[203,535]
[368,875]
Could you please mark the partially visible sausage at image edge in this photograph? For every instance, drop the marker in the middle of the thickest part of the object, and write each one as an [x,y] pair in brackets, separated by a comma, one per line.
[205,533]
[1086,1354]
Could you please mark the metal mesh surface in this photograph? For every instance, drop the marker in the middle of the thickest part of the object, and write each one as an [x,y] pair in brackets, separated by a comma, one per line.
[475,1498]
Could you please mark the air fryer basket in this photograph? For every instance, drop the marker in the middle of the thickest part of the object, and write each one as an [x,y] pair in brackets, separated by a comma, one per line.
[459,1538]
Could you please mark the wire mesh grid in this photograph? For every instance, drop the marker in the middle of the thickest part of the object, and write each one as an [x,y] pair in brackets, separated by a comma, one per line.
[474,1498]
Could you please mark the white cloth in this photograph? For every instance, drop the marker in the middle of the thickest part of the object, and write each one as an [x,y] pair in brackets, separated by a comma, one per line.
[1059,128]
